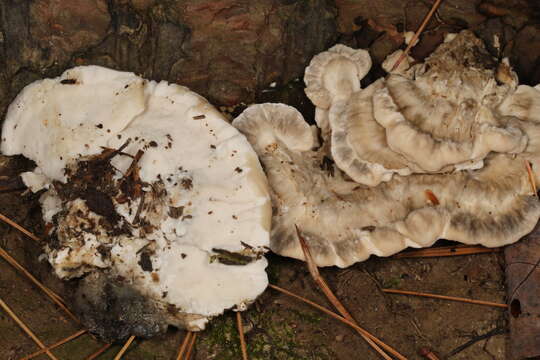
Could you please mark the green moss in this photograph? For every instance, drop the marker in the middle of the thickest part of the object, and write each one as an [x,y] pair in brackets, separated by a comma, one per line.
[272,335]
[392,283]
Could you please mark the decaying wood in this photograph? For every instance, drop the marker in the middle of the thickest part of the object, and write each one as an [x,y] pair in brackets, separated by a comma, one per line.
[523,288]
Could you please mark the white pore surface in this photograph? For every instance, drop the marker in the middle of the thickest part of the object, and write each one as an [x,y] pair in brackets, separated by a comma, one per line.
[183,137]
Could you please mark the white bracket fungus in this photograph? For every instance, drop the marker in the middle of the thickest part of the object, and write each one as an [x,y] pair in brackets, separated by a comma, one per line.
[432,117]
[437,150]
[148,182]
[332,77]
[345,222]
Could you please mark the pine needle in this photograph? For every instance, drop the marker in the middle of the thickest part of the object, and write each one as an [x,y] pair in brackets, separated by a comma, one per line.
[19,227]
[184,345]
[444,297]
[54,297]
[530,173]
[417,33]
[241,335]
[124,348]
[337,317]
[446,251]
[99,352]
[55,345]
[191,346]
[314,271]
[26,329]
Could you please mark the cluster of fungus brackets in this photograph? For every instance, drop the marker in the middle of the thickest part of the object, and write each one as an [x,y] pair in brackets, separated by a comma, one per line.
[150,195]
[159,203]
[436,150]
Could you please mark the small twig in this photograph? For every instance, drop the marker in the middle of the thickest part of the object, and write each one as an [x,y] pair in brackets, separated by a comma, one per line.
[124,348]
[26,329]
[417,34]
[55,345]
[444,297]
[109,153]
[99,352]
[314,271]
[446,251]
[184,345]
[54,297]
[496,331]
[133,165]
[241,335]
[19,227]
[191,345]
[530,173]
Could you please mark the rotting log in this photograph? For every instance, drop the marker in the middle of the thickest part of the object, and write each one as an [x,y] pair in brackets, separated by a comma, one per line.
[523,289]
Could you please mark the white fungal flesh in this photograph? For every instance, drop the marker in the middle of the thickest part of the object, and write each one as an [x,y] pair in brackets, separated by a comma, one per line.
[206,167]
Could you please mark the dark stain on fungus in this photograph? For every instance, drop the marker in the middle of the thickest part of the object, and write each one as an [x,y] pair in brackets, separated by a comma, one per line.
[226,257]
[176,212]
[104,251]
[145,262]
[100,203]
[68,82]
[187,183]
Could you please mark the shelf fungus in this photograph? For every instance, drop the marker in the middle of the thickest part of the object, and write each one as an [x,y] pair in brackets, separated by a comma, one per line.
[156,204]
[435,116]
[443,117]
[345,222]
[440,149]
[332,77]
